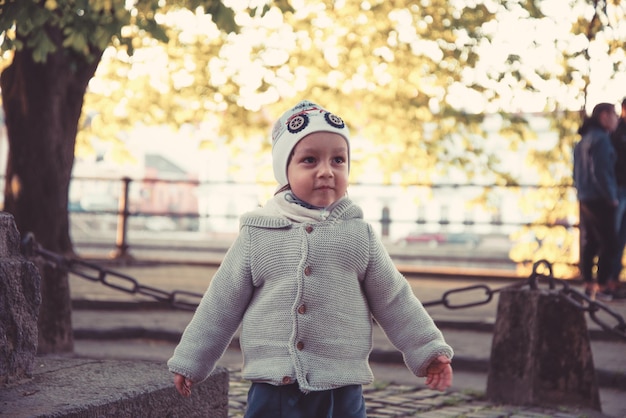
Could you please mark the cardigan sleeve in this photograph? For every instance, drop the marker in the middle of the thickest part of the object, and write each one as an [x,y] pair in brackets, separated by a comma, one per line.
[218,315]
[399,313]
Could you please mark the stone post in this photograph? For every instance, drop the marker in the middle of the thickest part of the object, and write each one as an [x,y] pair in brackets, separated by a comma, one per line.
[19,305]
[75,387]
[541,354]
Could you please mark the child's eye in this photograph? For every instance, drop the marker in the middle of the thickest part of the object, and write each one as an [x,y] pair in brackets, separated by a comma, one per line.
[340,160]
[308,160]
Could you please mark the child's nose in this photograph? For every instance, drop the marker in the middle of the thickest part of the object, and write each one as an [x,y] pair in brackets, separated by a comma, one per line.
[326,169]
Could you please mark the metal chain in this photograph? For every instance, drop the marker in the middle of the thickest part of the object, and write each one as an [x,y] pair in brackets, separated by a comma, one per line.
[178,299]
[181,299]
[572,296]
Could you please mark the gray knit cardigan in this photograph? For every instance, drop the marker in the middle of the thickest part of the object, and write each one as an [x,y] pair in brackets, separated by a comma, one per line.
[304,294]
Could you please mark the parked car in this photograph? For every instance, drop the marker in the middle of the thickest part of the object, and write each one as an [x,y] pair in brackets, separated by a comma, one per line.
[434,239]
[464,238]
[160,223]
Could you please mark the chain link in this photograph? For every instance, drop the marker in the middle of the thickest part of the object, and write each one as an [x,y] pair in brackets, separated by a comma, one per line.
[185,300]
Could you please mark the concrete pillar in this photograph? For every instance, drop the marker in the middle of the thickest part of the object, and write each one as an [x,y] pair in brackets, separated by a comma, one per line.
[541,354]
[70,387]
[20,299]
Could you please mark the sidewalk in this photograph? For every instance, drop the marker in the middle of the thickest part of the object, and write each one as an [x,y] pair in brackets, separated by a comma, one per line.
[123,331]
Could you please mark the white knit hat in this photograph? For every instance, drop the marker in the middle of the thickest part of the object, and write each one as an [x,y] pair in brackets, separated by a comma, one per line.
[296,123]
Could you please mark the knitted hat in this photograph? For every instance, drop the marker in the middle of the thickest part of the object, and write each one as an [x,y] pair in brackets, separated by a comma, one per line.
[303,119]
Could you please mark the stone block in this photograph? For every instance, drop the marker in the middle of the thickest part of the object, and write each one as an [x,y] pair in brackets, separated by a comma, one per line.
[86,388]
[20,299]
[9,237]
[541,353]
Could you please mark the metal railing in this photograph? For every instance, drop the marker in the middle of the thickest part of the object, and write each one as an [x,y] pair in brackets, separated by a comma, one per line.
[440,208]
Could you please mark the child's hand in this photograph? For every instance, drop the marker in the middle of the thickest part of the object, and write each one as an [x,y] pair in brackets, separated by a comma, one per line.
[183,385]
[439,373]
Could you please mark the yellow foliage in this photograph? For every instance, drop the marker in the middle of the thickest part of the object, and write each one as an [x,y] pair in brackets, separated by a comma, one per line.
[390,68]
[51,5]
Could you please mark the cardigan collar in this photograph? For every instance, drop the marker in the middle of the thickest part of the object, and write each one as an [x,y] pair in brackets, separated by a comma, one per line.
[280,213]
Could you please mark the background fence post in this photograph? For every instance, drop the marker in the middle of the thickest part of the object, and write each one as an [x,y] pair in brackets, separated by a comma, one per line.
[385,221]
[121,242]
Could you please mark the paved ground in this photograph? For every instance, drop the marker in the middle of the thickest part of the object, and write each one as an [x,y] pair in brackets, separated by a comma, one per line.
[395,392]
[119,331]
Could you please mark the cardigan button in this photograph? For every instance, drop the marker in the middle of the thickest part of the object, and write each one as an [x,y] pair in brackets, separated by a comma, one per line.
[300,345]
[301,309]
[286,380]
[309,229]
[307,271]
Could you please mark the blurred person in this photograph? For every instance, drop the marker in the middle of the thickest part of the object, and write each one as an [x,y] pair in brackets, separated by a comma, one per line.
[618,137]
[304,279]
[596,187]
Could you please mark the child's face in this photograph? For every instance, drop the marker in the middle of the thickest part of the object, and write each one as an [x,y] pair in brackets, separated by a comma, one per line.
[318,169]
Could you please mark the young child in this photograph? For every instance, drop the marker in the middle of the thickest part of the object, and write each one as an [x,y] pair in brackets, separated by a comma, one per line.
[304,278]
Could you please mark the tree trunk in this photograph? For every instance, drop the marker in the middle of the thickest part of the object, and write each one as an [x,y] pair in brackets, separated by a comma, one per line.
[42,104]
